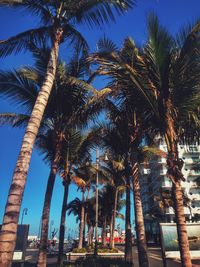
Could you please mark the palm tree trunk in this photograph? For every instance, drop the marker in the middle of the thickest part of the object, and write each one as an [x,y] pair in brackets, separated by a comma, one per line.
[114,217]
[139,220]
[128,237]
[90,234]
[80,244]
[11,216]
[84,227]
[181,225]
[62,224]
[111,230]
[85,218]
[42,259]
[174,172]
[104,233]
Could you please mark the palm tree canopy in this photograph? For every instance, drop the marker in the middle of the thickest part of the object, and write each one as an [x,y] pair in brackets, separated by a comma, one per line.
[63,15]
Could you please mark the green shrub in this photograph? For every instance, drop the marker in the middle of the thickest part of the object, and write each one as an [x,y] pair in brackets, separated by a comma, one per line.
[107,250]
[79,250]
[90,249]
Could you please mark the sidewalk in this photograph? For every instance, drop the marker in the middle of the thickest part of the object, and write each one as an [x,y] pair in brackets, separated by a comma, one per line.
[155,258]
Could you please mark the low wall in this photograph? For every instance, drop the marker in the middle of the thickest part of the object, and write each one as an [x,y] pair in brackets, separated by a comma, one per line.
[71,256]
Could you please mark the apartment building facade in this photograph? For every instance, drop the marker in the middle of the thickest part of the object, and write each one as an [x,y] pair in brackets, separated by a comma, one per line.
[154,183]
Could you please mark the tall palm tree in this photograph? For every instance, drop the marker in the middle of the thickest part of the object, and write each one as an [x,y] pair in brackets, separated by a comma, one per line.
[75,207]
[175,77]
[87,172]
[116,138]
[58,118]
[57,18]
[107,197]
[71,141]
[114,170]
[165,76]
[77,151]
[128,131]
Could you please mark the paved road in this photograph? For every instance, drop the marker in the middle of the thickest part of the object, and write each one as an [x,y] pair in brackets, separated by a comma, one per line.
[155,258]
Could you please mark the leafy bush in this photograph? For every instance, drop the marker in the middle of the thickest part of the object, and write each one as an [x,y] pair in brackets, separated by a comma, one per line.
[107,250]
[79,250]
[90,249]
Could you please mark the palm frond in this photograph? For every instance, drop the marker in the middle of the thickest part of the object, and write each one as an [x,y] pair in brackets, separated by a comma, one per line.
[106,45]
[21,41]
[13,119]
[18,88]
[39,8]
[75,37]
[96,12]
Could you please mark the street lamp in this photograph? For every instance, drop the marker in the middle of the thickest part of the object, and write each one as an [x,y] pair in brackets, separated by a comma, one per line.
[97,204]
[51,224]
[97,200]
[24,212]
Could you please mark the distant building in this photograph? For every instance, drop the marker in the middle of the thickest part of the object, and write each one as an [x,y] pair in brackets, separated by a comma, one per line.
[154,181]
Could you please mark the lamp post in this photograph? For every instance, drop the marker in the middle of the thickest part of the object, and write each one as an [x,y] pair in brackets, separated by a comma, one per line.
[39,230]
[97,204]
[105,158]
[24,212]
[51,224]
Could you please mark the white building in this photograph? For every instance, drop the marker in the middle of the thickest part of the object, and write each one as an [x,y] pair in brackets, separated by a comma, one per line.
[154,180]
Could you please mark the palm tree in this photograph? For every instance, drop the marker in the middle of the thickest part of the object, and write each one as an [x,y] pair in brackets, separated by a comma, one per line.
[114,171]
[177,85]
[75,208]
[87,172]
[57,18]
[57,120]
[116,138]
[71,139]
[107,197]
[77,147]
[165,76]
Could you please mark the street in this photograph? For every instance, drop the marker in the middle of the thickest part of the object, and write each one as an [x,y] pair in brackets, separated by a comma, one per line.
[155,258]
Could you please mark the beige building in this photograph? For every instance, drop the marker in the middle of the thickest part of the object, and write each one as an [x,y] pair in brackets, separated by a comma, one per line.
[154,181]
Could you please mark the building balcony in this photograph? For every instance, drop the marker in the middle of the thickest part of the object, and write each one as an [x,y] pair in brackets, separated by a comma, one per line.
[194,185]
[145,171]
[191,160]
[163,172]
[194,173]
[167,184]
[170,210]
[196,210]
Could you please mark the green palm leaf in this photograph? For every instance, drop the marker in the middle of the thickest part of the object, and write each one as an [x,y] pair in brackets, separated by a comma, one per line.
[21,41]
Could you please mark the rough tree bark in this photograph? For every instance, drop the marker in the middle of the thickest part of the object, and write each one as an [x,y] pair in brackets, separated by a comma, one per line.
[80,243]
[174,172]
[181,225]
[62,223]
[104,232]
[128,237]
[42,259]
[111,230]
[11,216]
[139,220]
[114,218]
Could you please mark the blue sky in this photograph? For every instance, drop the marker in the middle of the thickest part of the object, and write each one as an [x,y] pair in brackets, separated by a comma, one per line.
[172,13]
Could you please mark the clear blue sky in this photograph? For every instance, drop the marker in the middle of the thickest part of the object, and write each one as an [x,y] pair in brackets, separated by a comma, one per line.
[172,13]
